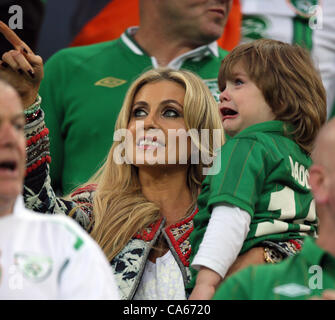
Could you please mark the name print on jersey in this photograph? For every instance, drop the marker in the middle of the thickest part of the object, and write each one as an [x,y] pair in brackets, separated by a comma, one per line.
[299,173]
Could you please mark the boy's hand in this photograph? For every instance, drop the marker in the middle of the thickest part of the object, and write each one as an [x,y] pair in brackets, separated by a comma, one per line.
[206,284]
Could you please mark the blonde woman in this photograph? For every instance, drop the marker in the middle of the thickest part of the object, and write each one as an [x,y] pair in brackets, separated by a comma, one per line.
[140,211]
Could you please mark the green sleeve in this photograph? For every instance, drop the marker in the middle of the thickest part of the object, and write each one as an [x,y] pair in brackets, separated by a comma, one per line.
[52,91]
[236,287]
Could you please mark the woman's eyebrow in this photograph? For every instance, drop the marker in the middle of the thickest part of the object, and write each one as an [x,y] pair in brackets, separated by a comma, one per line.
[172,101]
[140,103]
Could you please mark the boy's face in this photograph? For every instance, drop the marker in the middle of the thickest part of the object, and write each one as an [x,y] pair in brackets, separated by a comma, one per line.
[242,104]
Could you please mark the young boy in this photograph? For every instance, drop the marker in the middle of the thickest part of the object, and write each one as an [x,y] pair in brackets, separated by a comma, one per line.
[293,279]
[272,103]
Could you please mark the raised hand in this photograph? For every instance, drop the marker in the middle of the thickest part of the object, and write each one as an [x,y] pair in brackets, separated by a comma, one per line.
[21,67]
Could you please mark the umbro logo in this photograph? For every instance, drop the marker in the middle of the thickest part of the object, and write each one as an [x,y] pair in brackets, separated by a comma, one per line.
[110,82]
[292,290]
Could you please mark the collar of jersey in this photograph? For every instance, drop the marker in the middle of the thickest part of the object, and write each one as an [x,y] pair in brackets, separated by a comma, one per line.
[196,54]
[267,126]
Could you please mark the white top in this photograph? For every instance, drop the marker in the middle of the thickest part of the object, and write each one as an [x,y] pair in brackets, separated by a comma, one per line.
[50,257]
[324,50]
[227,229]
[267,7]
[276,16]
[161,280]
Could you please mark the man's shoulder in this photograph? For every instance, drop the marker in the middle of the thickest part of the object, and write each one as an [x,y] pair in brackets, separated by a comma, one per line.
[61,226]
[50,219]
[222,52]
[83,53]
[266,274]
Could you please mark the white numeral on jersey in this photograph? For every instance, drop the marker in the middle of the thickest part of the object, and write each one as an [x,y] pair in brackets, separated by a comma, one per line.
[284,201]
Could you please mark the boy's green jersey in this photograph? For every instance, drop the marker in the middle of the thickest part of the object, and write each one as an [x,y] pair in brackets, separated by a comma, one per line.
[264,172]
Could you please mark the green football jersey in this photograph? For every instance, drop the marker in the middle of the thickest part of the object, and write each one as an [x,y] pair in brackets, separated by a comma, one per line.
[300,277]
[264,172]
[82,94]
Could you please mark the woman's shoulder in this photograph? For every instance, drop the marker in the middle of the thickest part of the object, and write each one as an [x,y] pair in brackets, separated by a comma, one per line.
[84,194]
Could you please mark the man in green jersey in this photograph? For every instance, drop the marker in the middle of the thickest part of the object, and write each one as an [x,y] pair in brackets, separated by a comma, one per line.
[312,271]
[84,87]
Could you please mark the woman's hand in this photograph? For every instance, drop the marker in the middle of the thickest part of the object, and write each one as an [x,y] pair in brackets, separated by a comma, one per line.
[21,67]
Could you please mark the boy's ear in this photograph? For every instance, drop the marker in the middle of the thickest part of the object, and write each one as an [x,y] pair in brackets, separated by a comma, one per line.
[318,183]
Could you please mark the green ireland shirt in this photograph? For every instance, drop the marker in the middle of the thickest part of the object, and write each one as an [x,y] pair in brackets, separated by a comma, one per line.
[264,172]
[300,277]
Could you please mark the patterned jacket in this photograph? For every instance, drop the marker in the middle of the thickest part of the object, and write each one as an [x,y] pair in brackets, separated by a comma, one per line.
[129,264]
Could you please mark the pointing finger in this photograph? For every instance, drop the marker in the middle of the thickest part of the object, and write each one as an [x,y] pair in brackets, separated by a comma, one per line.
[11,36]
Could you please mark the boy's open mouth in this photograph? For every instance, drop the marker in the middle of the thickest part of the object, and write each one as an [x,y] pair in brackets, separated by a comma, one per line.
[228,113]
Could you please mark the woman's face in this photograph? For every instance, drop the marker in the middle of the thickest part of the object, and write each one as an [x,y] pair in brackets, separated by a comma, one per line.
[157,126]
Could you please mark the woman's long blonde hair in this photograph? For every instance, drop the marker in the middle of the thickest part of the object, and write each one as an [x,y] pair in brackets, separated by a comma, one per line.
[120,209]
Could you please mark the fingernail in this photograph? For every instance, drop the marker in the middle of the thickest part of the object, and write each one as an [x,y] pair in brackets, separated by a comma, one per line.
[31,74]
[5,64]
[20,71]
